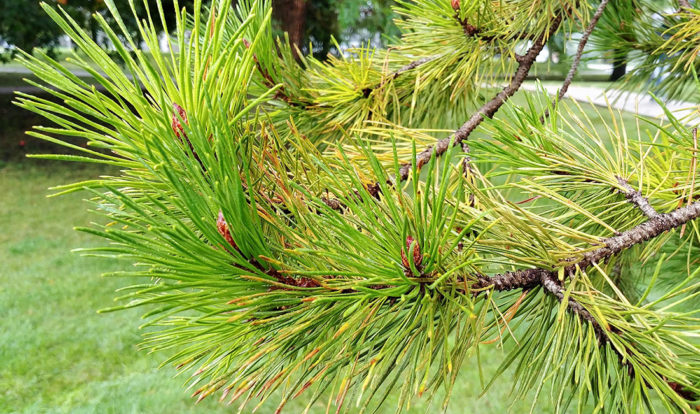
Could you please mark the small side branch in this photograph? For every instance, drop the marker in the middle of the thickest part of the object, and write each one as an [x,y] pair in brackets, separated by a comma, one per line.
[393,75]
[579,54]
[581,45]
[412,65]
[552,285]
[635,197]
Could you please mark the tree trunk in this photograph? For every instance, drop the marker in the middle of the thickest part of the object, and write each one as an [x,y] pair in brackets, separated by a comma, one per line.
[619,68]
[291,14]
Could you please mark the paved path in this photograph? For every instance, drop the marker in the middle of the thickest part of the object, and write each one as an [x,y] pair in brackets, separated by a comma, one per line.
[25,87]
[639,103]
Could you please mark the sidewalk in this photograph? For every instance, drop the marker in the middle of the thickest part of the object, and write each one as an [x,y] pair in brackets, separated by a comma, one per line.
[634,102]
[21,71]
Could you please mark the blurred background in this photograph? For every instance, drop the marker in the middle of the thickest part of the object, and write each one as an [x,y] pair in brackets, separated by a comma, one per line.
[56,353]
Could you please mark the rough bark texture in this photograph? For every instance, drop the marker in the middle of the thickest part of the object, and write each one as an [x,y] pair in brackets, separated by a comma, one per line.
[581,46]
[655,226]
[636,198]
[579,54]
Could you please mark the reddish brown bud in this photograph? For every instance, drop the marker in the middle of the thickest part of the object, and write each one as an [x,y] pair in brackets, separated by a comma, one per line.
[417,256]
[175,123]
[455,5]
[307,283]
[246,43]
[222,227]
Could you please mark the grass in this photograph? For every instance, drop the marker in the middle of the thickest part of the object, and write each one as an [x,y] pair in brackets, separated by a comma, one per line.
[58,355]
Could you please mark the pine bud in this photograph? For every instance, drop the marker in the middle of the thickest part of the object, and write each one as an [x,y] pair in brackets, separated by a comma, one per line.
[222,227]
[175,121]
[455,5]
[179,130]
[417,256]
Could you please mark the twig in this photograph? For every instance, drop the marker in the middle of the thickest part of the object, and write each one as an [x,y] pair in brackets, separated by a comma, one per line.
[552,286]
[413,65]
[529,278]
[581,46]
[579,53]
[489,109]
[636,198]
[395,74]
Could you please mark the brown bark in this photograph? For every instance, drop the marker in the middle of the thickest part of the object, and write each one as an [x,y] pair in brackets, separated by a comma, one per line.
[291,14]
[635,197]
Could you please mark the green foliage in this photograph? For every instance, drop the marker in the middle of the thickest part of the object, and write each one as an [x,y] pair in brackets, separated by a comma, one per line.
[659,39]
[278,250]
[367,19]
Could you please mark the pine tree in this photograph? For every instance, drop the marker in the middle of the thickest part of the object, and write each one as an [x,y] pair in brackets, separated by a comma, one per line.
[312,229]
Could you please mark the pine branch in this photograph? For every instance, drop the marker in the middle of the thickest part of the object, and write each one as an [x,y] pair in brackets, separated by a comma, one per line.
[489,109]
[548,279]
[636,198]
[655,226]
[412,65]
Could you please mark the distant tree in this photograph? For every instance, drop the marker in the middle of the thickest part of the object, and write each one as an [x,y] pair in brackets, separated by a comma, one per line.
[313,24]
[364,20]
[291,17]
[24,25]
